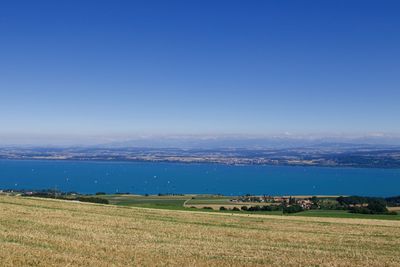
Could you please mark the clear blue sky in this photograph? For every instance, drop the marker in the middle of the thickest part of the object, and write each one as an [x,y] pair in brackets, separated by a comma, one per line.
[199,67]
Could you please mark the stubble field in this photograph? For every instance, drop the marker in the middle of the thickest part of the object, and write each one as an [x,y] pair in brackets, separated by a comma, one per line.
[44,232]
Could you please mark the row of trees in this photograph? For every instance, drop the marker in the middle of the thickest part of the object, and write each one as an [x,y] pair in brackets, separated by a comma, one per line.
[283,208]
[67,196]
[93,200]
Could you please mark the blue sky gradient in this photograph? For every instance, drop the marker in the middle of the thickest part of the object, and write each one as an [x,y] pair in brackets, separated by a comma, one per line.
[199,67]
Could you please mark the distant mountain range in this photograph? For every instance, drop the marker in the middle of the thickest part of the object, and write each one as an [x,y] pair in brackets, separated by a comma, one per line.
[203,141]
[256,142]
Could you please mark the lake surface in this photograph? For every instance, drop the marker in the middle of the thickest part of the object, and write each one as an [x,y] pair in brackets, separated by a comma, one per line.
[153,178]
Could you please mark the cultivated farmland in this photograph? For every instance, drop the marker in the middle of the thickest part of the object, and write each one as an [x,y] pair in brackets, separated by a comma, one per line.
[45,232]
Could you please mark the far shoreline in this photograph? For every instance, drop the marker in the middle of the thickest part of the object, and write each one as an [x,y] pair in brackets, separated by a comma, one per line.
[120,161]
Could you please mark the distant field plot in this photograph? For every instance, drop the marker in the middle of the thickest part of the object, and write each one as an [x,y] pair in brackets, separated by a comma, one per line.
[176,202]
[181,202]
[214,202]
[208,201]
[397,209]
[345,214]
[46,232]
[205,200]
[167,202]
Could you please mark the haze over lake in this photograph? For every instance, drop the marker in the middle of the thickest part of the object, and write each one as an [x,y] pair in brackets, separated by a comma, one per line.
[153,178]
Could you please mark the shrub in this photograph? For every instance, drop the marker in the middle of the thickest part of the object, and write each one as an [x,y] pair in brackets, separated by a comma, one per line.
[207,208]
[374,206]
[266,208]
[377,206]
[271,208]
[292,209]
[254,208]
[331,204]
[244,208]
[93,200]
[222,208]
[315,202]
[361,210]
[393,201]
[236,209]
[292,200]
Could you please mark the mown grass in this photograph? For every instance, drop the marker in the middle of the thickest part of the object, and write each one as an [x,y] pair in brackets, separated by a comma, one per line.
[45,232]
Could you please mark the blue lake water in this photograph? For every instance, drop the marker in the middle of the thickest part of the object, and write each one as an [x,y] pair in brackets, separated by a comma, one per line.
[152,178]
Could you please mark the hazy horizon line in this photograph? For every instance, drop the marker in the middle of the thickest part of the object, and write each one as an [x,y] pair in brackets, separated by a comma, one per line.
[98,139]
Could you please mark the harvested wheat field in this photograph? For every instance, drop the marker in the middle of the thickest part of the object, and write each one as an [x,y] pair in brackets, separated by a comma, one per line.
[39,232]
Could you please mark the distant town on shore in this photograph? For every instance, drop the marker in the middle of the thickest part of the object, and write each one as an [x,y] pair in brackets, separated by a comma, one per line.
[330,155]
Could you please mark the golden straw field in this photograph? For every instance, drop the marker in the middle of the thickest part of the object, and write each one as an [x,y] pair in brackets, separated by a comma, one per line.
[40,232]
